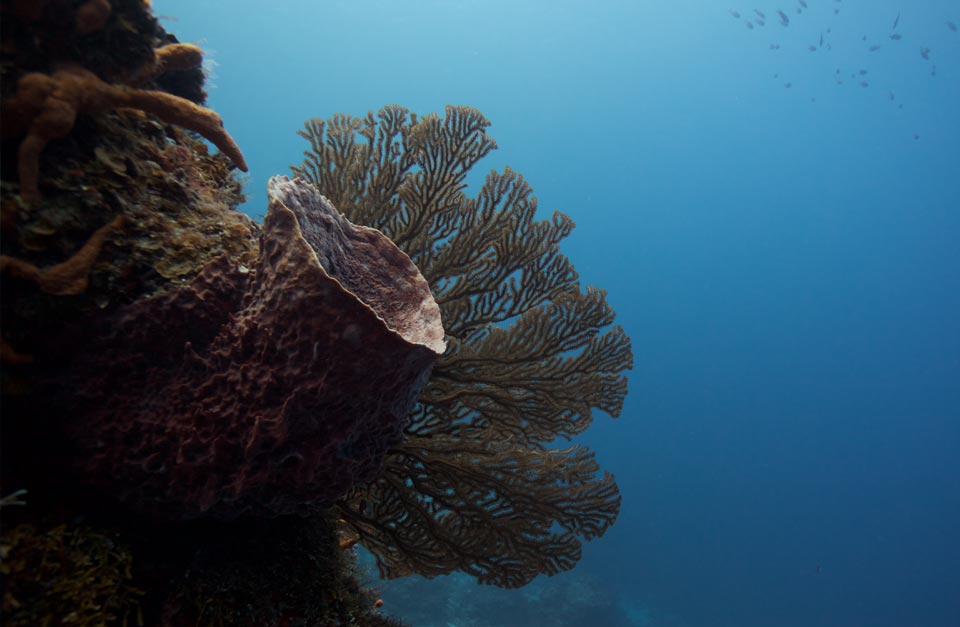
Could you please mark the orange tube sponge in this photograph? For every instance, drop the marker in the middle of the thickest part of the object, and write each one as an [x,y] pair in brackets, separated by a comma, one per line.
[177,57]
[64,279]
[46,107]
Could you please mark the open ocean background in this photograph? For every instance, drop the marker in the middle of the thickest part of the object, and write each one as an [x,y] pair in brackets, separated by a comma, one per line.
[785,259]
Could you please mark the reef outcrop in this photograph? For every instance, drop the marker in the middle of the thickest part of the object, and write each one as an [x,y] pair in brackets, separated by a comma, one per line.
[203,414]
[266,390]
[167,364]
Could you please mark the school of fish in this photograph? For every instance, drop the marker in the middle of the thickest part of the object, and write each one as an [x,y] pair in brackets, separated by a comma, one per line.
[758,19]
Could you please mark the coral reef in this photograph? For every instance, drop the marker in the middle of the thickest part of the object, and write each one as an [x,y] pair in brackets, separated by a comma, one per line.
[475,486]
[80,575]
[135,211]
[208,414]
[272,389]
[46,105]
[170,204]
[46,108]
[285,571]
[69,277]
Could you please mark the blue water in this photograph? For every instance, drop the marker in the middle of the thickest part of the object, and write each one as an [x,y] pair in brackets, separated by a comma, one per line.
[786,261]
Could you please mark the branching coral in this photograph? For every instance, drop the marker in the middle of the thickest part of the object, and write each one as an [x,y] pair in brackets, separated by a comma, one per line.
[475,485]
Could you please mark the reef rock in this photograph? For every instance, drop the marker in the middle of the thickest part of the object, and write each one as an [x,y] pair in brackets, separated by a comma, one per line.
[265,390]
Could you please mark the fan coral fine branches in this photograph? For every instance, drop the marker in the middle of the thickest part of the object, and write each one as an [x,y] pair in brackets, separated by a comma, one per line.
[475,485]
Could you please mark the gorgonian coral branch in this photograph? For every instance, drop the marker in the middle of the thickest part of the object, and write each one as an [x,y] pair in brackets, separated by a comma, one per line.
[499,512]
[535,380]
[475,485]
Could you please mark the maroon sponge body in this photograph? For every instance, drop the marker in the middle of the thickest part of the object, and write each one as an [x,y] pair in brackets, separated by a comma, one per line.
[265,390]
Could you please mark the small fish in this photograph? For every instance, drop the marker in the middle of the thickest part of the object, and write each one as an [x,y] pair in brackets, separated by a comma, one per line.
[783,18]
[952,26]
[892,97]
[812,48]
[896,36]
[735,14]
[863,72]
[916,136]
[925,53]
[748,24]
[838,71]
[895,22]
[874,48]
[933,70]
[864,84]
[821,40]
[774,46]
[802,3]
[760,14]
[864,38]
[777,75]
[812,99]
[761,22]
[799,11]
[788,85]
[828,31]
[836,11]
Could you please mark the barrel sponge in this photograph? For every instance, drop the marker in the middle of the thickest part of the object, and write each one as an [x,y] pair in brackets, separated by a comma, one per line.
[265,390]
